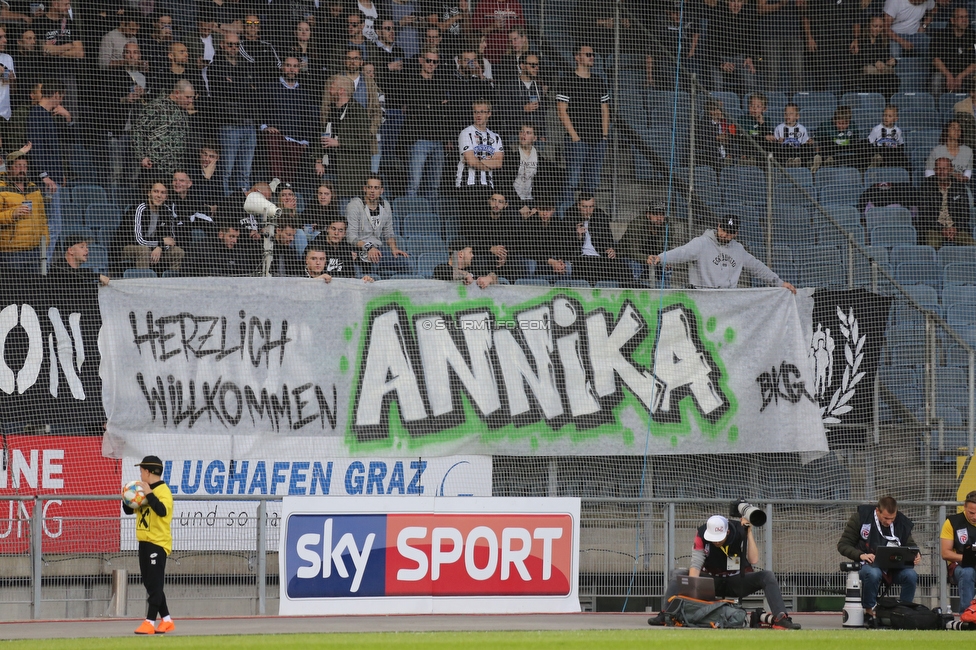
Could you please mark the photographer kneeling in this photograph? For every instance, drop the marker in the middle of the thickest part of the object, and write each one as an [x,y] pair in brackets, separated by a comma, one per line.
[726,550]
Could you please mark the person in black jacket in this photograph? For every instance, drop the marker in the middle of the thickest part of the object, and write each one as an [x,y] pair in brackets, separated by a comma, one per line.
[330,255]
[547,242]
[593,256]
[233,89]
[726,550]
[496,235]
[424,131]
[943,215]
[147,238]
[734,50]
[466,266]
[869,528]
[521,101]
[220,255]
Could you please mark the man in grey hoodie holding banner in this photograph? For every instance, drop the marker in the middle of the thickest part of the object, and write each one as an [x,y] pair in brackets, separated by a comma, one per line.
[718,259]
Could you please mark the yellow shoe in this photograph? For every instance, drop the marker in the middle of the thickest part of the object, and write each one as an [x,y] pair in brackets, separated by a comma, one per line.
[165,626]
[146,628]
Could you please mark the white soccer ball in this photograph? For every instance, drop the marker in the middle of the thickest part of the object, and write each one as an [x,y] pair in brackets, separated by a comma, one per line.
[133,496]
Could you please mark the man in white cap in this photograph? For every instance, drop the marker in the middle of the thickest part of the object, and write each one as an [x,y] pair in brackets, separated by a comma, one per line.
[726,551]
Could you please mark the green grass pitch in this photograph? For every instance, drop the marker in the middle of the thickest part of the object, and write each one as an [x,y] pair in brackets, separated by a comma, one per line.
[545,640]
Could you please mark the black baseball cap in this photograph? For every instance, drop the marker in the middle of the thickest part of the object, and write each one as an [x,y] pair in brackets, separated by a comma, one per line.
[729,223]
[656,207]
[152,463]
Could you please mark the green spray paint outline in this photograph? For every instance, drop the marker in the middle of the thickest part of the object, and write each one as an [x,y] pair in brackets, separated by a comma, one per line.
[474,426]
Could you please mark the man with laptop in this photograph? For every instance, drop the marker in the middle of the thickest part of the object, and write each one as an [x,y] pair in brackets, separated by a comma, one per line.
[956,540]
[723,555]
[880,538]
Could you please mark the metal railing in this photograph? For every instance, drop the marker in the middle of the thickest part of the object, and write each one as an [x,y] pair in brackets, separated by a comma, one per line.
[627,547]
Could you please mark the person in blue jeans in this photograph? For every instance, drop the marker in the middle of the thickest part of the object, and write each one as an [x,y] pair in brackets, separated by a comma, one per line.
[956,541]
[583,105]
[871,528]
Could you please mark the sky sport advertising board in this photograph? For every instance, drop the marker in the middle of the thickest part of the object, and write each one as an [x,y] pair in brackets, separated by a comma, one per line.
[429,556]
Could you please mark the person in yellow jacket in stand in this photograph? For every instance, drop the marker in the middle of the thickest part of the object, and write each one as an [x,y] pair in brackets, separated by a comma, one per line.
[155,539]
[23,223]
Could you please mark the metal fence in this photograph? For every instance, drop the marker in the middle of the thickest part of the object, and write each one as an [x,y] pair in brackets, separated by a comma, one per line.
[627,546]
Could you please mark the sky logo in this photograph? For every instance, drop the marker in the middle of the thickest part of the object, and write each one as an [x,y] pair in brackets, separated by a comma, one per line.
[331,556]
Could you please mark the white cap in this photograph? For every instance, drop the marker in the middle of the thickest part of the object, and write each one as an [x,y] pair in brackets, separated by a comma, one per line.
[716,529]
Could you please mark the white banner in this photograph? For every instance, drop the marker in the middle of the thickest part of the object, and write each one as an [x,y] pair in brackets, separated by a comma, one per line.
[406,367]
[429,556]
[208,465]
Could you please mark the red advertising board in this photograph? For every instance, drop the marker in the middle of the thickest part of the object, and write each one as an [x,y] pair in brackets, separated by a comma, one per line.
[59,465]
[479,554]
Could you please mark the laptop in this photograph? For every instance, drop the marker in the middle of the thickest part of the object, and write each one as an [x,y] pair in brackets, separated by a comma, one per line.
[699,588]
[890,558]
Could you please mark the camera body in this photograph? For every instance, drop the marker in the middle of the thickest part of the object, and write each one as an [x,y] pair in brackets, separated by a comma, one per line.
[850,566]
[743,508]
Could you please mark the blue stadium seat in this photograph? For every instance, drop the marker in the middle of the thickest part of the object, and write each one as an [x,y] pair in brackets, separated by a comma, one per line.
[427,252]
[887,216]
[532,282]
[104,219]
[906,354]
[170,273]
[85,195]
[925,295]
[923,139]
[72,217]
[961,314]
[946,103]
[798,175]
[913,120]
[952,254]
[893,235]
[420,225]
[130,274]
[863,275]
[571,283]
[913,101]
[917,159]
[663,102]
[958,293]
[606,284]
[911,253]
[957,356]
[867,109]
[960,273]
[410,205]
[919,272]
[743,184]
[828,235]
[815,107]
[706,185]
[913,71]
[952,388]
[838,175]
[840,193]
[886,175]
[97,258]
[830,269]
[846,216]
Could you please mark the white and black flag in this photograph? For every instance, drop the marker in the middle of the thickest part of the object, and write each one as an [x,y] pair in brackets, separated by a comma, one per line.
[845,349]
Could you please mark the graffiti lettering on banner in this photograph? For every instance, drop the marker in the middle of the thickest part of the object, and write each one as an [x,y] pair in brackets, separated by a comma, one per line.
[520,371]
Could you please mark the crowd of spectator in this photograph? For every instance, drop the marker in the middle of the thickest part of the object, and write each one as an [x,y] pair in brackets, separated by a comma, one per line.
[181,109]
